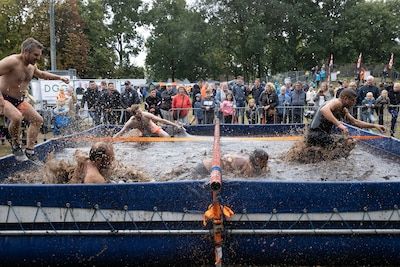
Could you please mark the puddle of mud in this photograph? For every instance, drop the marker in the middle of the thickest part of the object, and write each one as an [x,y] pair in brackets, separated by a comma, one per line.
[165,161]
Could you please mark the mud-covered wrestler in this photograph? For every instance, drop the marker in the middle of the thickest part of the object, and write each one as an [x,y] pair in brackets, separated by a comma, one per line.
[145,124]
[245,165]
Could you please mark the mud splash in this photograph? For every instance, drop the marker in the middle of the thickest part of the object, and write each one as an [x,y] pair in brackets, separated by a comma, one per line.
[61,171]
[175,161]
[303,153]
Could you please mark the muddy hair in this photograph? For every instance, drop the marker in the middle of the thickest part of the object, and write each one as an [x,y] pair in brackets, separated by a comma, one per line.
[349,93]
[29,44]
[98,152]
[134,108]
[254,159]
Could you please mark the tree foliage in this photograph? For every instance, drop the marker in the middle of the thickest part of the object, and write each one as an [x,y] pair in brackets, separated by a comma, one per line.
[214,39]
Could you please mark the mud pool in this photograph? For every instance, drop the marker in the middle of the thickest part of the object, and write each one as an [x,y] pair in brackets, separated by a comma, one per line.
[166,161]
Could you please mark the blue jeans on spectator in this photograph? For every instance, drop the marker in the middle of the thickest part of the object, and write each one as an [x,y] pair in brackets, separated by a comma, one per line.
[95,117]
[240,111]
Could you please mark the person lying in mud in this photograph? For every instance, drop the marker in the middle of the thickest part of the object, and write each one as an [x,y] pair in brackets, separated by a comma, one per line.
[145,124]
[245,165]
[92,169]
[331,114]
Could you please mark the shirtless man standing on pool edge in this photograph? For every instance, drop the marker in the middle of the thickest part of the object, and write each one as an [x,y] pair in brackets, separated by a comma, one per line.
[16,72]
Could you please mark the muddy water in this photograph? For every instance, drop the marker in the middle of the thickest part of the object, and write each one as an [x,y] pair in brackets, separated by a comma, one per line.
[164,161]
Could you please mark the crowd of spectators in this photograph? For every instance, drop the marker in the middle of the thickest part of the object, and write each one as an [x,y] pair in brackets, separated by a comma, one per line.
[232,102]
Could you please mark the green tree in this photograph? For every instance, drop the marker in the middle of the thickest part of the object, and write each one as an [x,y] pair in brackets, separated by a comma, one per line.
[177,45]
[371,28]
[124,18]
[101,58]
[11,22]
[73,44]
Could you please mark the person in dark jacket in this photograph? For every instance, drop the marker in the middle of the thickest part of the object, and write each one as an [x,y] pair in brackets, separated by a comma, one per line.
[208,105]
[90,96]
[394,96]
[112,102]
[268,101]
[256,91]
[195,91]
[198,112]
[298,100]
[368,87]
[128,98]
[166,103]
[101,101]
[239,93]
[152,103]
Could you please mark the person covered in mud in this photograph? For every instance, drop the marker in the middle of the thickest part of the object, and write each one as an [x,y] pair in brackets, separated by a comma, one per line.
[145,123]
[330,114]
[247,165]
[93,169]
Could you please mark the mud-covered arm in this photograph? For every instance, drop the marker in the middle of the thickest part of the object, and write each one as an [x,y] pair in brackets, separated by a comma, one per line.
[158,119]
[363,124]
[128,125]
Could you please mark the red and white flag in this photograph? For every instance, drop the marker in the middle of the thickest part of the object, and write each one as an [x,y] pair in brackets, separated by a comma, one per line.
[359,61]
[331,61]
[390,65]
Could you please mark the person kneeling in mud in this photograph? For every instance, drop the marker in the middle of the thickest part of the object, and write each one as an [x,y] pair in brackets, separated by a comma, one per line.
[92,169]
[330,114]
[144,123]
[247,165]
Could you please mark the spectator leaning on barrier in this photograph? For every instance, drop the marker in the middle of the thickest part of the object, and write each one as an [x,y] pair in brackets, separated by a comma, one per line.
[394,96]
[90,96]
[181,105]
[298,100]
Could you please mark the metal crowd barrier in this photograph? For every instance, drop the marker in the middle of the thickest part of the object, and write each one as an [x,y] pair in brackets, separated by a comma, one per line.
[84,119]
